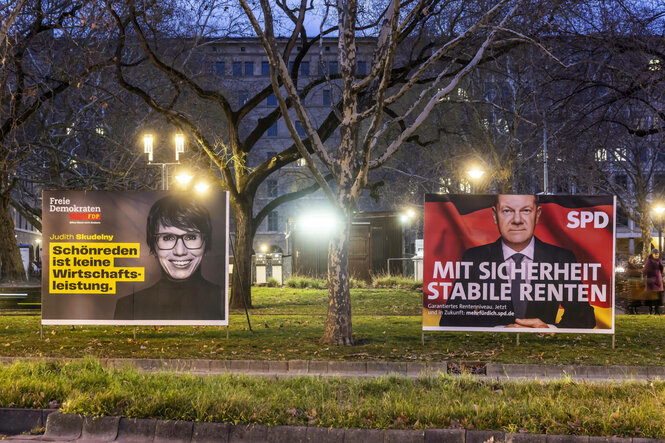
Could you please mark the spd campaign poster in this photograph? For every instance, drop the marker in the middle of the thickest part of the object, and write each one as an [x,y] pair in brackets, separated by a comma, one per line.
[519,263]
[135,258]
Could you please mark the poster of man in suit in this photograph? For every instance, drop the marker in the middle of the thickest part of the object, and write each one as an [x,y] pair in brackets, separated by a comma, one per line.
[519,263]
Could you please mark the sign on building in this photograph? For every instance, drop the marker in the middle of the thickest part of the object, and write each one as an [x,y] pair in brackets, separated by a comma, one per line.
[519,263]
[135,258]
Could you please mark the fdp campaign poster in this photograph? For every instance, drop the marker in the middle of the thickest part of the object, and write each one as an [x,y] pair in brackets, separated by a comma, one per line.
[519,263]
[135,258]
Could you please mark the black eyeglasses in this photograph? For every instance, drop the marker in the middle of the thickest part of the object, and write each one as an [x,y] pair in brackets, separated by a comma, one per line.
[191,240]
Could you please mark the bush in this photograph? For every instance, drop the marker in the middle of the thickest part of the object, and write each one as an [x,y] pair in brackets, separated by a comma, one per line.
[272,283]
[396,282]
[301,282]
[355,283]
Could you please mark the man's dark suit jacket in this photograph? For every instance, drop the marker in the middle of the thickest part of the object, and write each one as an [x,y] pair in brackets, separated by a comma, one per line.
[191,299]
[576,314]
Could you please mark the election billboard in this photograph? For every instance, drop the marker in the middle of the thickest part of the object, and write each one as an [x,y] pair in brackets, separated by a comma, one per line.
[519,263]
[135,258]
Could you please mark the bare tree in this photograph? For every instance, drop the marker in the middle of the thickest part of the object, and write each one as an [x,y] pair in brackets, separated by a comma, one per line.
[368,135]
[47,47]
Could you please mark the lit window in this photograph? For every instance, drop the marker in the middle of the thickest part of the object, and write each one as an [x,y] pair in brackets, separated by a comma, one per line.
[301,162]
[601,154]
[655,65]
[99,130]
[621,154]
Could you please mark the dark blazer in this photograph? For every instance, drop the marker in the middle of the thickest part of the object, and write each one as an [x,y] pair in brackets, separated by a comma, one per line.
[576,314]
[191,299]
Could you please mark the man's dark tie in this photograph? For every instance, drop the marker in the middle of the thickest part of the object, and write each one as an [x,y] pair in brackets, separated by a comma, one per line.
[519,306]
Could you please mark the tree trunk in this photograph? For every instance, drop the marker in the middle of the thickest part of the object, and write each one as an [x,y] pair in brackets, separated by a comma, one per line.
[645,228]
[11,268]
[338,324]
[241,291]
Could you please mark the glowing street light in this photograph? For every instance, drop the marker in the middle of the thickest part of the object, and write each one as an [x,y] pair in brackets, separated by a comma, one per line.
[179,146]
[183,178]
[148,148]
[201,187]
[475,173]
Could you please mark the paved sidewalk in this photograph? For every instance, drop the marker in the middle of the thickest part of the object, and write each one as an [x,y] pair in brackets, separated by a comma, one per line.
[376,368]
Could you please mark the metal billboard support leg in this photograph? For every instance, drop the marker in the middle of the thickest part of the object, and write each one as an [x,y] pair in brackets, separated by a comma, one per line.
[517,339]
[613,342]
[41,332]
[227,332]
[134,332]
[422,337]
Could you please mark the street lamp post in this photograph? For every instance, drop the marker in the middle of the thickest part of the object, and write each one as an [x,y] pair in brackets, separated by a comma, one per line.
[658,209]
[179,149]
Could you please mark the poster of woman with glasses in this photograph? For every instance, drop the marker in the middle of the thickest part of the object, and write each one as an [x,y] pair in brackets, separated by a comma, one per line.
[135,258]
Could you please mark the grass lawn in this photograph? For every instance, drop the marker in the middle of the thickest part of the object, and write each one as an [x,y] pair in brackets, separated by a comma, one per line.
[288,324]
[554,407]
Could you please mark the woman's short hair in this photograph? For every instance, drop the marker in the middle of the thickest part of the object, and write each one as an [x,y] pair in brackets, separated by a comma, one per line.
[181,212]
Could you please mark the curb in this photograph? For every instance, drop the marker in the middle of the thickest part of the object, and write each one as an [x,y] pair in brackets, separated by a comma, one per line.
[371,368]
[84,428]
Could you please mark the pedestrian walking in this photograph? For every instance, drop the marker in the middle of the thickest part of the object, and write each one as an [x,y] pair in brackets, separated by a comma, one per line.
[653,270]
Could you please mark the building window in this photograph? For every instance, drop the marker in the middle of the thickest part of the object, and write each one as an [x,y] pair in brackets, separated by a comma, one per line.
[621,154]
[304,68]
[299,129]
[327,48]
[333,68]
[321,68]
[272,187]
[601,155]
[326,97]
[243,96]
[273,221]
[220,67]
[362,68]
[291,67]
[237,69]
[265,68]
[272,130]
[272,100]
[301,162]
[249,69]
